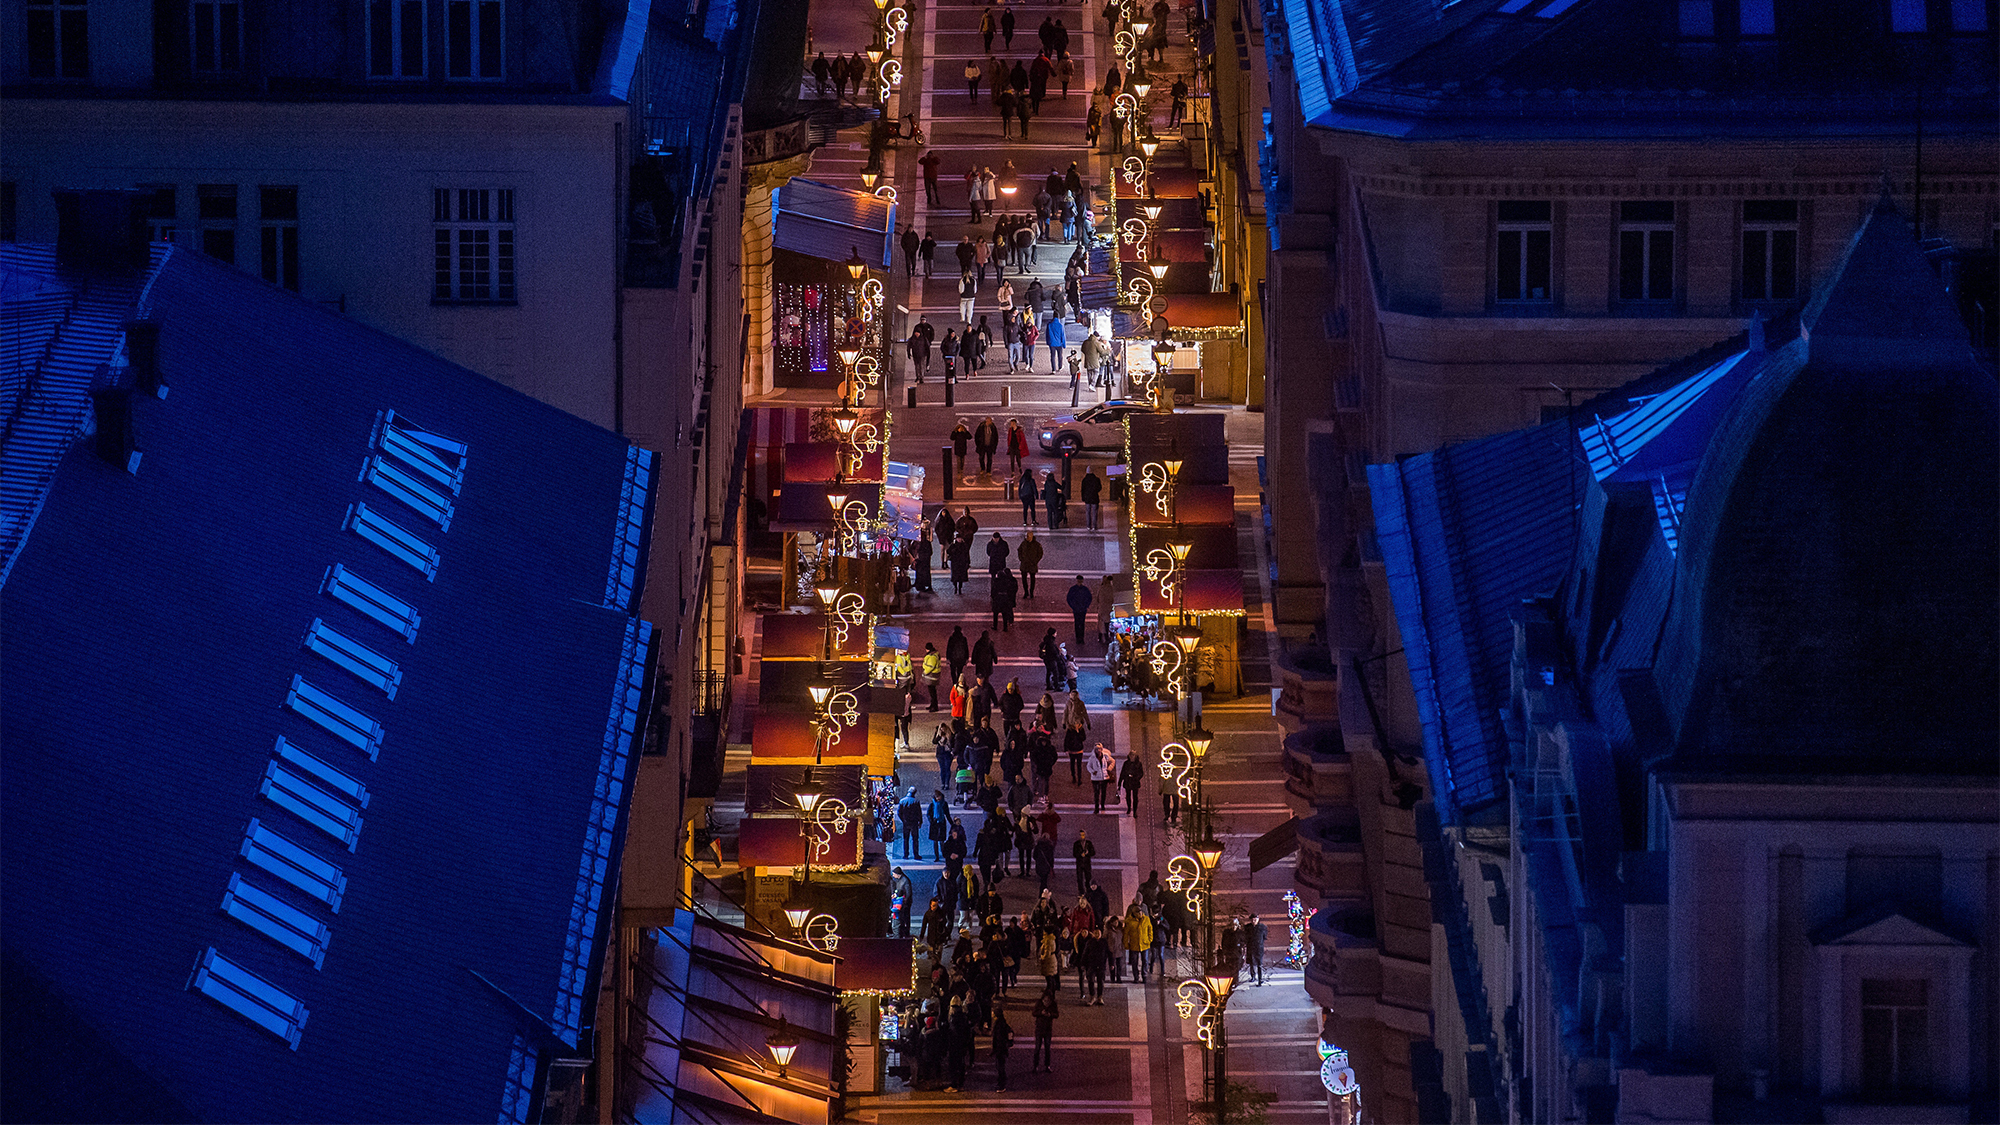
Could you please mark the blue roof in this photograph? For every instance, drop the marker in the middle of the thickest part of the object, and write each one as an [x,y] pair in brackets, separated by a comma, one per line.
[1466,532]
[244,736]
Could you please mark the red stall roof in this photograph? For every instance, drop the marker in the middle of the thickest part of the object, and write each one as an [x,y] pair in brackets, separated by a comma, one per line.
[802,636]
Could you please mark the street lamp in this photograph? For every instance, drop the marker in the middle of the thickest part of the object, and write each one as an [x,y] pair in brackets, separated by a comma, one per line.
[1158,265]
[1142,86]
[874,57]
[856,264]
[1220,979]
[836,498]
[1208,853]
[821,690]
[869,175]
[1148,144]
[1152,206]
[782,1044]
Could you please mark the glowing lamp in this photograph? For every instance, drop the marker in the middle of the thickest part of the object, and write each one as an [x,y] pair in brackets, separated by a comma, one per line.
[1208,853]
[1187,636]
[836,498]
[1157,266]
[1141,27]
[807,795]
[1163,356]
[845,418]
[855,265]
[1149,146]
[849,353]
[1198,742]
[1180,549]
[827,591]
[868,177]
[874,56]
[1151,208]
[783,1044]
[881,5]
[820,690]
[1141,87]
[1173,464]
[1219,982]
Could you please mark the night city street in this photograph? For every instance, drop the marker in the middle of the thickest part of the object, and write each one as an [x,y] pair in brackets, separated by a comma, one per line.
[1121,562]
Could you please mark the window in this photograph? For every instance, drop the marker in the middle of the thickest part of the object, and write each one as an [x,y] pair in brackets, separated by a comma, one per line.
[294,864]
[396,38]
[391,537]
[396,480]
[58,36]
[1525,245]
[217,40]
[276,919]
[372,601]
[1645,251]
[9,200]
[162,212]
[1698,19]
[1708,19]
[218,220]
[1968,15]
[249,996]
[325,807]
[1895,1038]
[472,38]
[473,245]
[1770,249]
[439,458]
[1756,17]
[278,217]
[369,666]
[336,718]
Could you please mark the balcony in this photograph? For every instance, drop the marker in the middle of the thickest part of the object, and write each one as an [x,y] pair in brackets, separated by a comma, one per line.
[1331,864]
[1308,687]
[1318,772]
[1350,976]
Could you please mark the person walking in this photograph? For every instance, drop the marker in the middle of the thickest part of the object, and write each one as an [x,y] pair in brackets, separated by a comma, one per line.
[1092,490]
[927,251]
[1017,448]
[968,289]
[1003,1033]
[1179,93]
[1098,764]
[986,439]
[1031,563]
[821,71]
[1053,500]
[1045,852]
[961,436]
[1083,851]
[958,557]
[930,163]
[912,243]
[996,554]
[1114,946]
[1024,248]
[1003,101]
[1057,342]
[1090,966]
[1046,1011]
[1004,593]
[982,256]
[957,651]
[1066,70]
[910,814]
[984,655]
[920,351]
[1079,599]
[1038,81]
[973,74]
[933,668]
[902,893]
[1130,774]
[1007,28]
[1254,936]
[1026,487]
[1094,123]
[939,814]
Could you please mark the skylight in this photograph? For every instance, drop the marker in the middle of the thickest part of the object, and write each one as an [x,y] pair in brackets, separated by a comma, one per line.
[331,807]
[249,996]
[294,864]
[400,483]
[385,533]
[276,919]
[369,666]
[372,601]
[337,718]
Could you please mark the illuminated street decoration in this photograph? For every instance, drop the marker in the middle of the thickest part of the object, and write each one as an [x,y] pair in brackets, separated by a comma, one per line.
[850,611]
[898,22]
[1160,567]
[1134,170]
[1197,1002]
[1296,952]
[1156,480]
[1134,232]
[820,931]
[1177,766]
[1184,875]
[830,817]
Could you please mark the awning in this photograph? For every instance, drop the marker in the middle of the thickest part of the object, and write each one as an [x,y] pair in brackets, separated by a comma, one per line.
[1191,504]
[802,507]
[766,432]
[1203,310]
[786,737]
[1200,465]
[802,636]
[780,841]
[1183,429]
[1208,591]
[1171,183]
[782,684]
[883,964]
[1181,246]
[813,462]
[710,994]
[1213,546]
[1175,214]
[769,788]
[824,221]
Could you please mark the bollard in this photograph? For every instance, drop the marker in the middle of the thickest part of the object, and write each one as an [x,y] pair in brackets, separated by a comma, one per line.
[950,390]
[913,398]
[947,465]
[1068,458]
[1075,390]
[1006,395]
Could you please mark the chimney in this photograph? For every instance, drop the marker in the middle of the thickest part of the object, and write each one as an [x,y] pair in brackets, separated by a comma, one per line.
[101,230]
[142,356]
[111,415]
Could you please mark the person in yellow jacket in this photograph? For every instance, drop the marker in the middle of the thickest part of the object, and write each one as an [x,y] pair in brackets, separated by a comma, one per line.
[1138,938]
[933,667]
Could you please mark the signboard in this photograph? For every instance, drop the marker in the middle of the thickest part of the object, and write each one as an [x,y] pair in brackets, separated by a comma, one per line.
[776,143]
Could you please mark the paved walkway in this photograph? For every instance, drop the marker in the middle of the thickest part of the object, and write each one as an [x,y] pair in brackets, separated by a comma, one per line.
[1135,1058]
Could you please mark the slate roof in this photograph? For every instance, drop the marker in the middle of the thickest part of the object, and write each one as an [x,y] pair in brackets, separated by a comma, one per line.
[1587,68]
[1466,532]
[833,223]
[154,636]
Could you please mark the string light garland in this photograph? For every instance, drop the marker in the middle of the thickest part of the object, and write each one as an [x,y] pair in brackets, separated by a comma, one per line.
[1297,952]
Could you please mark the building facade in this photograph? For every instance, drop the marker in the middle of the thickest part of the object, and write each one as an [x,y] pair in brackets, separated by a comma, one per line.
[1716,812]
[1484,214]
